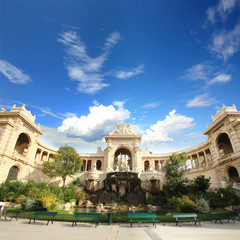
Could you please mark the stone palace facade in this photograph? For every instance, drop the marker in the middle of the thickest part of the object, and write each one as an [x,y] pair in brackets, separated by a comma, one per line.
[22,154]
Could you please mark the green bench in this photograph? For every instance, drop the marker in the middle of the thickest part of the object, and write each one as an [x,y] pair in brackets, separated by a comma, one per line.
[219,216]
[235,214]
[10,213]
[86,217]
[49,216]
[142,218]
[186,217]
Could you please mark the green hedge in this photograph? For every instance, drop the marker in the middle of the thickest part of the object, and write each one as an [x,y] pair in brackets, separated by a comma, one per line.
[117,218]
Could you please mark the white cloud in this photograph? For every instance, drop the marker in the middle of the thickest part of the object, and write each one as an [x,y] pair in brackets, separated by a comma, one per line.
[207,72]
[194,136]
[152,105]
[165,131]
[81,67]
[211,14]
[220,78]
[131,73]
[137,129]
[46,111]
[13,74]
[119,104]
[202,100]
[112,40]
[56,139]
[199,71]
[222,9]
[99,122]
[226,43]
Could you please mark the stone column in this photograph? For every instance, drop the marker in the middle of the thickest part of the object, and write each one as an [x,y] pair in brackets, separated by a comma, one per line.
[41,153]
[108,159]
[234,140]
[136,164]
[205,157]
[192,165]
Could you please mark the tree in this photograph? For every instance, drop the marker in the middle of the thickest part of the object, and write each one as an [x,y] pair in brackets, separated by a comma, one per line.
[175,174]
[65,163]
[201,184]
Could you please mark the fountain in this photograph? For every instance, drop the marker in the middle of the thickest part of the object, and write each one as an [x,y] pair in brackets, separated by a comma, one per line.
[122,185]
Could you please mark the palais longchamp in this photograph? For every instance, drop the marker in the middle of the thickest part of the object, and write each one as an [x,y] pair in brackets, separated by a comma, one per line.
[22,153]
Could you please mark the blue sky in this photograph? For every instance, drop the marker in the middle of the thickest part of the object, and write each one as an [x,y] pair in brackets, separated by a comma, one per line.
[81,66]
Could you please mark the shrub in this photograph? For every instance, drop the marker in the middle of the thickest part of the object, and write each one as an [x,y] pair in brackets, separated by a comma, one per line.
[20,199]
[80,195]
[30,204]
[57,206]
[173,203]
[151,199]
[201,184]
[77,182]
[223,197]
[10,190]
[68,194]
[202,206]
[73,200]
[55,189]
[186,204]
[48,199]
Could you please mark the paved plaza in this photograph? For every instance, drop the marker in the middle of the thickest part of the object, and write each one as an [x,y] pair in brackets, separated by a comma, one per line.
[21,230]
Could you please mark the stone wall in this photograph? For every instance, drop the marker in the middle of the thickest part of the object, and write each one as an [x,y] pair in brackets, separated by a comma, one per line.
[22,152]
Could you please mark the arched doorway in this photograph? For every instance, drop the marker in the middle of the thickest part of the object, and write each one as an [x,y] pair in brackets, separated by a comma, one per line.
[224,145]
[22,144]
[99,165]
[13,173]
[233,173]
[122,154]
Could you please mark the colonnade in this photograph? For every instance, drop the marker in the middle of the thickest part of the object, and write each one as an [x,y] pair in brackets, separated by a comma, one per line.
[43,156]
[92,165]
[195,160]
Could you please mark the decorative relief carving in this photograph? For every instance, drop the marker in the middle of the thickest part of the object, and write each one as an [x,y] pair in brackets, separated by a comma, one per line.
[123,129]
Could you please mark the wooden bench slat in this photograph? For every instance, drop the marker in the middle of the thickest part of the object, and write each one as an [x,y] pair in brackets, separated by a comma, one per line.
[49,216]
[142,217]
[219,216]
[186,217]
[11,214]
[87,217]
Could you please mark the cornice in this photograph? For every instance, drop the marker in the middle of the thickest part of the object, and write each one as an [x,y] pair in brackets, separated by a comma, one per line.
[219,121]
[24,118]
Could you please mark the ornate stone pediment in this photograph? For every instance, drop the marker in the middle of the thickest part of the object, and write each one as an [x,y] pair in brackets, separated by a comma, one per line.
[123,129]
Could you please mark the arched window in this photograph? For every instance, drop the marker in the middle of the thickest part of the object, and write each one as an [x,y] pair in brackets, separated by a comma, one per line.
[38,155]
[195,161]
[224,145]
[157,166]
[202,159]
[44,156]
[189,163]
[122,156]
[13,173]
[146,165]
[84,165]
[51,157]
[22,144]
[209,157]
[233,173]
[89,165]
[99,165]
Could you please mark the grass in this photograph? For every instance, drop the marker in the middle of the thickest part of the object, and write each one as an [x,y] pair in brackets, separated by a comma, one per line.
[117,218]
